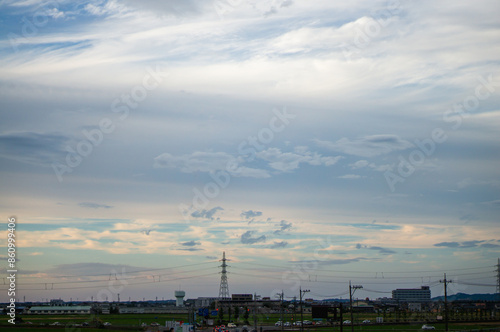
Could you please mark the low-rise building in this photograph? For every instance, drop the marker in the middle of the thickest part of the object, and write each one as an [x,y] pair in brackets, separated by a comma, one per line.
[60,310]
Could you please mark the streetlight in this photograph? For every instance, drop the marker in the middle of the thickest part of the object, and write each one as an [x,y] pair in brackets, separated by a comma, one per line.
[301,311]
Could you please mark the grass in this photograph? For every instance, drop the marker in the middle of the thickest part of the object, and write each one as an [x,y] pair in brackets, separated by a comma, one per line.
[134,321]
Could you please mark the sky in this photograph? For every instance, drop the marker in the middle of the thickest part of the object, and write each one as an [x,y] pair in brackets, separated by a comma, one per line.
[314,142]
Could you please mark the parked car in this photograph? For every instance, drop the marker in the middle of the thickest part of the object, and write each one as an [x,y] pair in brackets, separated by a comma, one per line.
[287,324]
[297,323]
[155,324]
[428,327]
[366,321]
[231,325]
[347,322]
[307,322]
[278,323]
[107,324]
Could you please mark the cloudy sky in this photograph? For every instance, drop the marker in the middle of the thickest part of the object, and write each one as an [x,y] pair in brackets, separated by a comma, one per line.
[315,142]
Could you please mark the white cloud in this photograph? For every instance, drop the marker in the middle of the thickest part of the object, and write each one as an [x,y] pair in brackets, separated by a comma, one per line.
[289,161]
[196,162]
[364,163]
[359,164]
[220,161]
[208,162]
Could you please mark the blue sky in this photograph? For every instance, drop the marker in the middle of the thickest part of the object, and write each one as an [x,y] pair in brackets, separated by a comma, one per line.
[314,143]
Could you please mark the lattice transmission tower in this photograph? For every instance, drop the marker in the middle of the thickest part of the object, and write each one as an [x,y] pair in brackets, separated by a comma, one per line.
[224,288]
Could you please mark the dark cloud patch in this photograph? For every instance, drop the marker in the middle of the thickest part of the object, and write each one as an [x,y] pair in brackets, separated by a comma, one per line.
[91,205]
[465,244]
[384,251]
[190,243]
[34,148]
[468,217]
[206,214]
[279,245]
[470,244]
[447,244]
[246,238]
[250,214]
[367,146]
[374,225]
[211,257]
[189,249]
[490,245]
[381,250]
[284,226]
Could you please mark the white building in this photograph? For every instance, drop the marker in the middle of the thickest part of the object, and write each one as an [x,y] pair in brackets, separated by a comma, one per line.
[58,310]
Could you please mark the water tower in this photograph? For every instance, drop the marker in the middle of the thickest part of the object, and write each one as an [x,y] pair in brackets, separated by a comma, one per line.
[179,295]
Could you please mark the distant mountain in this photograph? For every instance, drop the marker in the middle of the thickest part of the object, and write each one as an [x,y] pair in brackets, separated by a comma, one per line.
[471,297]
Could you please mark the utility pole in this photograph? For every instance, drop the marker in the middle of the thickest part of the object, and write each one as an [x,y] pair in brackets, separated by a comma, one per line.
[498,280]
[445,282]
[255,311]
[294,312]
[301,310]
[352,289]
[341,318]
[281,295]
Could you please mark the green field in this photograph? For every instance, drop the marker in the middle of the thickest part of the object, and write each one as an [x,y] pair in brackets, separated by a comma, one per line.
[132,322]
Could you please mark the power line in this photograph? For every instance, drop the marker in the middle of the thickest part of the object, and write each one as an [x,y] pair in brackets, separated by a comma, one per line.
[383,273]
[128,272]
[115,278]
[128,284]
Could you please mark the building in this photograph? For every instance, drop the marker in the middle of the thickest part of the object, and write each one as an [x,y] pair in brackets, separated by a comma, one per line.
[179,295]
[242,297]
[412,295]
[204,301]
[60,310]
